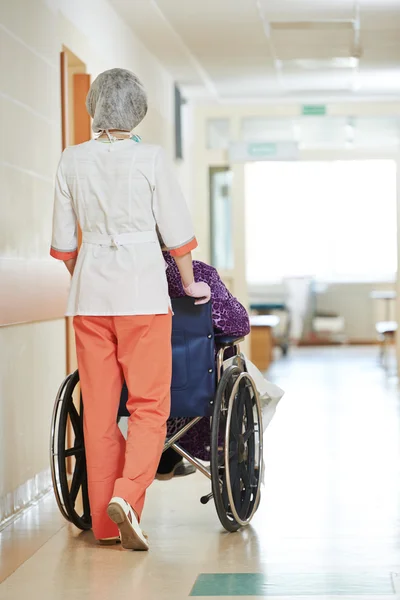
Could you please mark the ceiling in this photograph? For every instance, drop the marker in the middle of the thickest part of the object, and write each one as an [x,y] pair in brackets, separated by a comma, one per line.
[249,50]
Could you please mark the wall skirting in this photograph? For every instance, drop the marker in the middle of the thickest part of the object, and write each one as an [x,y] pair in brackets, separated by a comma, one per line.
[21,498]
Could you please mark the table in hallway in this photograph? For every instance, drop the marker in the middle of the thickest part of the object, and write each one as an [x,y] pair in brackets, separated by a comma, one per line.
[262,342]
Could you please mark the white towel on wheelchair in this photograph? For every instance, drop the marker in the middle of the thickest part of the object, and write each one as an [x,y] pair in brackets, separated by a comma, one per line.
[270,394]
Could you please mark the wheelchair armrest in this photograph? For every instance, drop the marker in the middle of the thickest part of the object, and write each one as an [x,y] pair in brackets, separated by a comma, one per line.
[227,340]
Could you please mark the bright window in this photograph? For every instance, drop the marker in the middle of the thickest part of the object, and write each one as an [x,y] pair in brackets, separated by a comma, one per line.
[332,220]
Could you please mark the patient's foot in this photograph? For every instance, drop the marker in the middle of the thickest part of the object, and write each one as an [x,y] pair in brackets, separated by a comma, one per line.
[172,465]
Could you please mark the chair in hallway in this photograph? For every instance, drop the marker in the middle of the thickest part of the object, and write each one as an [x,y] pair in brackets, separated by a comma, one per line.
[386,331]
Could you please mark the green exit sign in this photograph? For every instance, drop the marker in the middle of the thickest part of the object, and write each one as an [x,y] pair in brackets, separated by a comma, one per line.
[262,149]
[314,110]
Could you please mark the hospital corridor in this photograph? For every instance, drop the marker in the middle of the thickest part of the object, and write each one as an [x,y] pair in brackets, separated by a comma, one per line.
[199,249]
[326,527]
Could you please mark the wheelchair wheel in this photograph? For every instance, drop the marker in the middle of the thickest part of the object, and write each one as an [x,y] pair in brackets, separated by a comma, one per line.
[236,468]
[71,491]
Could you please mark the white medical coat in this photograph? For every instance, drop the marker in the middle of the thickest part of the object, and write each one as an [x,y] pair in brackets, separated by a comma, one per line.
[118,193]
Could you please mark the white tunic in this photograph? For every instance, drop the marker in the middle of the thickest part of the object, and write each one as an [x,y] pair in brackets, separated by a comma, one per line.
[118,193]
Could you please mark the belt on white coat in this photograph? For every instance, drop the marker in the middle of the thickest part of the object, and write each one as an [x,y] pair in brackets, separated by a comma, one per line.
[118,239]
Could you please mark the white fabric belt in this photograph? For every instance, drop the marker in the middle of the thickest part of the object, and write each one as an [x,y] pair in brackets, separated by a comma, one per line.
[119,239]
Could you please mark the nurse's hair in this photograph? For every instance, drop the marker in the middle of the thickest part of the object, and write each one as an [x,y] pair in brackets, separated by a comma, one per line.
[116,100]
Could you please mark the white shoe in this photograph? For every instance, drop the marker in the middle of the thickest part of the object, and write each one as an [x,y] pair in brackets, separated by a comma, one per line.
[124,516]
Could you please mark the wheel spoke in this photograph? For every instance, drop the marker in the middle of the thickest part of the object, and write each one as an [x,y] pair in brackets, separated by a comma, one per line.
[233,470]
[75,451]
[235,481]
[239,416]
[246,496]
[235,427]
[241,404]
[233,454]
[245,475]
[236,492]
[75,420]
[247,435]
[81,410]
[77,479]
[85,498]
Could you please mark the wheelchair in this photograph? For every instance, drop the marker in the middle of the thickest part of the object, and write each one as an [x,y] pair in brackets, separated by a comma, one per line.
[209,381]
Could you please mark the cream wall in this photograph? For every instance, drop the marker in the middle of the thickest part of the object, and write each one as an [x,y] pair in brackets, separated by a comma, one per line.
[32,34]
[346,297]
[28,385]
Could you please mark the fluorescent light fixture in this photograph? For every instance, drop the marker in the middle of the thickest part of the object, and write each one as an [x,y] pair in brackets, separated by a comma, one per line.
[311,64]
[314,25]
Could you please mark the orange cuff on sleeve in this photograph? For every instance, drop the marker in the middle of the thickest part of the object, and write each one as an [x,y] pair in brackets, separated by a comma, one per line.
[184,249]
[63,255]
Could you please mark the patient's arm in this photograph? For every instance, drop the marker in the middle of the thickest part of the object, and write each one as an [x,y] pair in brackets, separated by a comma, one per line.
[229,315]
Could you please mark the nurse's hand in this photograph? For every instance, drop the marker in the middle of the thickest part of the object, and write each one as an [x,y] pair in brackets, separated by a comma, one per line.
[198,289]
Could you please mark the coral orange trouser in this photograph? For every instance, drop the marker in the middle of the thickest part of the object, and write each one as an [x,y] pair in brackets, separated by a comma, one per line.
[109,349]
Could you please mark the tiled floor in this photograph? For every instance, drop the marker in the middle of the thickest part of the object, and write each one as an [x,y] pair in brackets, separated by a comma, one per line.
[328,525]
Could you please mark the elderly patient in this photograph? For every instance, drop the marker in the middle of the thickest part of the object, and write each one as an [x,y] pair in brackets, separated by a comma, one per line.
[229,318]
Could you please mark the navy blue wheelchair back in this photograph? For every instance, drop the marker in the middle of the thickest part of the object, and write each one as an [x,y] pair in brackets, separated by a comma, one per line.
[193,361]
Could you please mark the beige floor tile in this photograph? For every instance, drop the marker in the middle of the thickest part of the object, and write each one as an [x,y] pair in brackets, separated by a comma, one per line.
[25,536]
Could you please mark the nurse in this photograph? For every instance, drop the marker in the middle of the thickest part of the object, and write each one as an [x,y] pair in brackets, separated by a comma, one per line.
[119,191]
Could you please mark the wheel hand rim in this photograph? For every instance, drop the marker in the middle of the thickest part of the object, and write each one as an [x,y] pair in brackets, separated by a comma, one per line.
[237,517]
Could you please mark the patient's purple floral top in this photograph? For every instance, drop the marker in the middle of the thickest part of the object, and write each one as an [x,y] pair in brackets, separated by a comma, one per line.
[229,318]
[228,315]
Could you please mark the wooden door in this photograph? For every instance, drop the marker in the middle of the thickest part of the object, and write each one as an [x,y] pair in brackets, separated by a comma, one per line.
[81,133]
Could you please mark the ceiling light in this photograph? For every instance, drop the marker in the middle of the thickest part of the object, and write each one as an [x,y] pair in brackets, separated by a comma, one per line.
[311,64]
[313,25]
